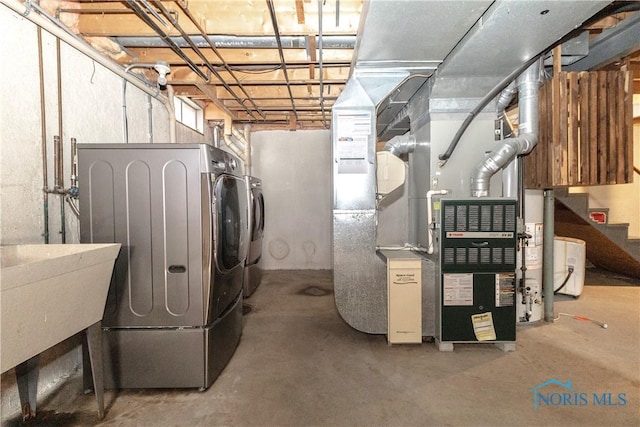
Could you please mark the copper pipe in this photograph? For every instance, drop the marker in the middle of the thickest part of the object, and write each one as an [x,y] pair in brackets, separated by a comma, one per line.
[147,20]
[43,133]
[226,66]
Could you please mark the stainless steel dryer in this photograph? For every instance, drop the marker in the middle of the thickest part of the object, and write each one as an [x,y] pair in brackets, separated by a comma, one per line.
[174,311]
[255,200]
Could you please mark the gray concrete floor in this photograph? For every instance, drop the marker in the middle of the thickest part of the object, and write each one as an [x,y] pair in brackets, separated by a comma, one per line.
[299,364]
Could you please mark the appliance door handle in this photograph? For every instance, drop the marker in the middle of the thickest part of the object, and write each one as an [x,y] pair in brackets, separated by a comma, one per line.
[480,244]
[177,269]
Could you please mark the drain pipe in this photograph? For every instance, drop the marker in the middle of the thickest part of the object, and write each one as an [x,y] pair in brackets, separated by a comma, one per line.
[509,148]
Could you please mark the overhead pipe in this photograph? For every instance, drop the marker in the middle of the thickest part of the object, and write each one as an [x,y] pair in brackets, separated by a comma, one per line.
[59,30]
[283,63]
[147,20]
[320,64]
[509,148]
[206,62]
[226,66]
[236,42]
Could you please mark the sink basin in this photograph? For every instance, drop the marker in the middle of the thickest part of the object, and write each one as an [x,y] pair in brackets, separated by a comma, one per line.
[49,293]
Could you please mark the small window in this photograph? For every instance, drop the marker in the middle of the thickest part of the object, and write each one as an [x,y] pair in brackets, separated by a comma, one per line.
[189,113]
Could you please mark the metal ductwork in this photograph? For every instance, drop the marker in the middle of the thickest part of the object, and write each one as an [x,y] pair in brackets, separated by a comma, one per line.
[401,145]
[508,149]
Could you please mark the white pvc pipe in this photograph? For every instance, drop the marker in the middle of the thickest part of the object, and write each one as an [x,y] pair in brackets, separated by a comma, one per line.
[247,151]
[78,44]
[430,194]
[170,106]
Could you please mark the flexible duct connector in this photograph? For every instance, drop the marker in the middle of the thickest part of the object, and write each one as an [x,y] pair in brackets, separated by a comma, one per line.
[401,145]
[508,149]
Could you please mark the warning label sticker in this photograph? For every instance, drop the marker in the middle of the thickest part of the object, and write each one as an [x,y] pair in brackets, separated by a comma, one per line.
[505,289]
[457,289]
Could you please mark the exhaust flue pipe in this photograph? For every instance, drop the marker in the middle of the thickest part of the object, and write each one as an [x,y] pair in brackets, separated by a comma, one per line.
[401,145]
[528,84]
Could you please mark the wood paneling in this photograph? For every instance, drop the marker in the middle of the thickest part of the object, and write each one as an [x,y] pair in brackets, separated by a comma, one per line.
[585,131]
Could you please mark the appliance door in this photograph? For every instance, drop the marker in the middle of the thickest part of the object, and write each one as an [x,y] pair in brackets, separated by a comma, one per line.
[257,226]
[231,237]
[258,215]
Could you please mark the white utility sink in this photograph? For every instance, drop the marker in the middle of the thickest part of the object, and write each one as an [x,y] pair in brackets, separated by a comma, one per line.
[49,293]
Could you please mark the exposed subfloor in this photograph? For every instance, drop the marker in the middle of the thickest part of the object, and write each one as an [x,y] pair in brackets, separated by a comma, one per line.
[299,363]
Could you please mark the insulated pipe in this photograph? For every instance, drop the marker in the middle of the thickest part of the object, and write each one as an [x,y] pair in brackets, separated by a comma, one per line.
[221,41]
[430,226]
[57,29]
[547,255]
[401,145]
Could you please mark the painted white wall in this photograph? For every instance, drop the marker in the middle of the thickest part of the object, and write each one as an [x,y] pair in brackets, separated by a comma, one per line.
[92,113]
[295,168]
[623,200]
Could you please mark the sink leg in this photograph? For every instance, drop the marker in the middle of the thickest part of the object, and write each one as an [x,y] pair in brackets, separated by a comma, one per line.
[94,342]
[27,378]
